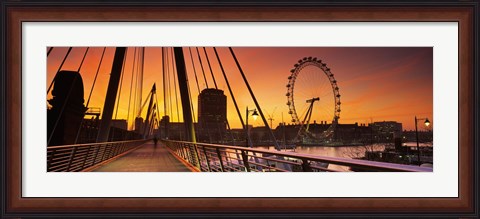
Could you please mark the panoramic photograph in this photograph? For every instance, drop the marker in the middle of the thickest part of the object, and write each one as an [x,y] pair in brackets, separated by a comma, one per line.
[239,109]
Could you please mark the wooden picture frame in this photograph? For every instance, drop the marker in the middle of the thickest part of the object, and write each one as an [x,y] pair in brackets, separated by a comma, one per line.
[16,12]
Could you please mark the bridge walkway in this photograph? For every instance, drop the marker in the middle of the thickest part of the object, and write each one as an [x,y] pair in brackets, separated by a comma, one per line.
[146,158]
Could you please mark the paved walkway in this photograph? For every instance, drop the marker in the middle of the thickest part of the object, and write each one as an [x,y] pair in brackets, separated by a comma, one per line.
[146,158]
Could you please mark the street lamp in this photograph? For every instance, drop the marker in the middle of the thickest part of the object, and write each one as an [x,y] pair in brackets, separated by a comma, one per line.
[427,123]
[254,115]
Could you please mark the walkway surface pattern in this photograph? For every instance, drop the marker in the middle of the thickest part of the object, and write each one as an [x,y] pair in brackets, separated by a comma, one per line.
[146,158]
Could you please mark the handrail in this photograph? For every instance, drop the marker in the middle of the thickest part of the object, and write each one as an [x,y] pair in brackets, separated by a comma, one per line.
[71,158]
[305,162]
[92,144]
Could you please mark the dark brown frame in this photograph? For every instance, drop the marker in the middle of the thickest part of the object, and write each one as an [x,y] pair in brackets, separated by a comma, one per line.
[466,14]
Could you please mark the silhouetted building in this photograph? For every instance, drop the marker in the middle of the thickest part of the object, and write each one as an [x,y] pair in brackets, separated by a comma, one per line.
[164,127]
[119,123]
[139,125]
[67,108]
[212,115]
[172,130]
[423,136]
[353,133]
[343,133]
[386,131]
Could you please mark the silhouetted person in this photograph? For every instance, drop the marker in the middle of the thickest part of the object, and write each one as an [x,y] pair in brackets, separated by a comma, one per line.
[155,140]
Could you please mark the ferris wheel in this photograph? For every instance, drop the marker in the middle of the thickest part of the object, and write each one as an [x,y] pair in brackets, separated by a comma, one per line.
[313,95]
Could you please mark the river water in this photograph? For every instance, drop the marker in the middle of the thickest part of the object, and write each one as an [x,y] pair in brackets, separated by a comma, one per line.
[342,151]
[336,151]
[339,151]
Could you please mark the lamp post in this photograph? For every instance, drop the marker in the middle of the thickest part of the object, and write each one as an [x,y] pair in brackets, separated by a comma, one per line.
[427,123]
[255,115]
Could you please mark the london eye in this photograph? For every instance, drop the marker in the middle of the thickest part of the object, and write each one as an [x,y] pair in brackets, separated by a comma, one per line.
[313,95]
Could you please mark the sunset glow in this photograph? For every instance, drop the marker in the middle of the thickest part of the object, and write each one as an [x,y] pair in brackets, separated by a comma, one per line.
[376,83]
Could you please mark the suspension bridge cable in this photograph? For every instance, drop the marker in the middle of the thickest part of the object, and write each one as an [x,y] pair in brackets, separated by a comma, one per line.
[59,68]
[141,63]
[158,110]
[90,95]
[143,105]
[175,86]
[131,85]
[49,51]
[201,66]
[135,97]
[194,70]
[164,63]
[191,103]
[164,84]
[83,59]
[210,67]
[231,94]
[164,91]
[152,121]
[169,83]
[277,146]
[96,75]
[229,88]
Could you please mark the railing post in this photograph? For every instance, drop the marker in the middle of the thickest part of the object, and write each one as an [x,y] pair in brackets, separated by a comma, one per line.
[220,159]
[184,150]
[96,154]
[110,151]
[178,149]
[113,150]
[71,158]
[206,159]
[245,161]
[197,156]
[123,147]
[189,153]
[86,157]
[49,162]
[105,152]
[306,166]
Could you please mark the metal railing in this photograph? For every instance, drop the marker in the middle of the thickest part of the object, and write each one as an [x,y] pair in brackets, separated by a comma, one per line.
[223,158]
[72,158]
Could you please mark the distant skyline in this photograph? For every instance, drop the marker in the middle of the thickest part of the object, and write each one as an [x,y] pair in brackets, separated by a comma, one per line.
[376,83]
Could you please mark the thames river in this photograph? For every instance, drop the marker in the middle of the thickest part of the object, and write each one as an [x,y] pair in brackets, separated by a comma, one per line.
[333,151]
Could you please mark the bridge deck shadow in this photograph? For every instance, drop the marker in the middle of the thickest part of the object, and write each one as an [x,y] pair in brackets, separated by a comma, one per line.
[146,158]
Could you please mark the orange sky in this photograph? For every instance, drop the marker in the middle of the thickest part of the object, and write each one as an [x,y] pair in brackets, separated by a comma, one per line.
[376,84]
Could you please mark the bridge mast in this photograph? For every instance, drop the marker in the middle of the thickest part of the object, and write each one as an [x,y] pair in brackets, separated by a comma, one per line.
[184,94]
[185,97]
[110,98]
